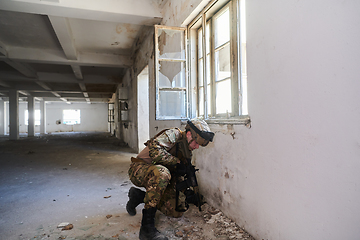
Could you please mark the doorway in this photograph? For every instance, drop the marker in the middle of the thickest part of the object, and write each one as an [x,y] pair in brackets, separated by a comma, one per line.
[143,107]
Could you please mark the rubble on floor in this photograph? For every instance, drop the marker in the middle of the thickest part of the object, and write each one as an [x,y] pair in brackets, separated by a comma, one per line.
[210,223]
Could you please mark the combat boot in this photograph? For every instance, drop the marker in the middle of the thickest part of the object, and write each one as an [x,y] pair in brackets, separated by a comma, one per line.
[136,196]
[148,230]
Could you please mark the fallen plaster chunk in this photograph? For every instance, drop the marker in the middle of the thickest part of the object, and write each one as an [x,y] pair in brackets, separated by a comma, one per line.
[65,226]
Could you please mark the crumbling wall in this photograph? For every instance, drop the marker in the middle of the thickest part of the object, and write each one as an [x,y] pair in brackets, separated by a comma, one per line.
[295,173]
[144,48]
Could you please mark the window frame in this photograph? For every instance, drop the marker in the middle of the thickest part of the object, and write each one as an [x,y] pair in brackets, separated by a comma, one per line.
[157,59]
[207,15]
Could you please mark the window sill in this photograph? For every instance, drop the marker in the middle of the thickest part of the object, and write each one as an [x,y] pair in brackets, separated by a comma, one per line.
[242,120]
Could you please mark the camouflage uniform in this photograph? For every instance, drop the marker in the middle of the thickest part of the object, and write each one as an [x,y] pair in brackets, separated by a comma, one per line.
[154,169]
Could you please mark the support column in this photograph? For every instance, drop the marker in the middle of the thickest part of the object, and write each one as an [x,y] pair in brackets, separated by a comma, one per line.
[42,117]
[2,117]
[14,114]
[31,114]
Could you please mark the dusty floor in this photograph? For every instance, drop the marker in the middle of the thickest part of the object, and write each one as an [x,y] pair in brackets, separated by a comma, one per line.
[81,179]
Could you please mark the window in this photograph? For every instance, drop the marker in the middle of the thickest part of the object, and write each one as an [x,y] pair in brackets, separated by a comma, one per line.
[37,117]
[170,65]
[218,61]
[71,117]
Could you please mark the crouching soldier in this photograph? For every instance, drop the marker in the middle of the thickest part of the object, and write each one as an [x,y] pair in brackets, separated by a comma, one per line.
[158,168]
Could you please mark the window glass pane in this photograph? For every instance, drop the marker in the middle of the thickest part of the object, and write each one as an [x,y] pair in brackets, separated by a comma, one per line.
[222,29]
[208,72]
[208,77]
[201,101]
[171,74]
[71,117]
[200,73]
[200,43]
[171,103]
[242,54]
[209,100]
[222,63]
[171,44]
[223,97]
[207,39]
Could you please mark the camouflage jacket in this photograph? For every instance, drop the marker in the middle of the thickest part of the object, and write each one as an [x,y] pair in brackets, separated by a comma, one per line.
[163,149]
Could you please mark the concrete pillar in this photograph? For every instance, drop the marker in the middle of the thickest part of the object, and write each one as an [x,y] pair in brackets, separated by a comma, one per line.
[31,114]
[2,117]
[14,114]
[42,117]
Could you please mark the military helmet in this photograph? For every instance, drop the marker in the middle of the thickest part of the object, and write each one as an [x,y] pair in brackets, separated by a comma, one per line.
[200,131]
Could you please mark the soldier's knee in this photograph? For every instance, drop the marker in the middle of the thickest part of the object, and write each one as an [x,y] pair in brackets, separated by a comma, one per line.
[163,173]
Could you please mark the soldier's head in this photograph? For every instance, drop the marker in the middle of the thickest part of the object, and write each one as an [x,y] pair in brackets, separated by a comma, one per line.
[198,133]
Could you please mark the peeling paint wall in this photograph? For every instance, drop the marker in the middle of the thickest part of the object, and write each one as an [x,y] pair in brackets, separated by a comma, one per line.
[295,173]
[175,12]
[143,54]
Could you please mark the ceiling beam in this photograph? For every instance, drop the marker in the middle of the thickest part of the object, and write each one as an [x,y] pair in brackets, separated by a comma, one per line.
[57,57]
[61,91]
[43,85]
[24,93]
[46,87]
[141,12]
[82,86]
[77,71]
[65,36]
[3,51]
[4,84]
[22,68]
[57,77]
[83,89]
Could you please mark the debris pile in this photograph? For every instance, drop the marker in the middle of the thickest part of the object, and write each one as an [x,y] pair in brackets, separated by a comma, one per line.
[210,223]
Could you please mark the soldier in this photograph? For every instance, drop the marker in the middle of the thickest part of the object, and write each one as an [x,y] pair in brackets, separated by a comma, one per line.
[156,168]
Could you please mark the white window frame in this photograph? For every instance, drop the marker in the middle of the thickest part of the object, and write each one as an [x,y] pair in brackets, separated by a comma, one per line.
[238,114]
[158,58]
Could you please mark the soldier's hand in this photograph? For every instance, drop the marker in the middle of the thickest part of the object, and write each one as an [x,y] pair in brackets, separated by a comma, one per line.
[181,169]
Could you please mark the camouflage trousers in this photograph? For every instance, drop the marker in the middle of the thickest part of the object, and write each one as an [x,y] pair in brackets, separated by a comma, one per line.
[160,187]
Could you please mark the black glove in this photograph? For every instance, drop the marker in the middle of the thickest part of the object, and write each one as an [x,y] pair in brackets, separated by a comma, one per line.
[191,197]
[181,169]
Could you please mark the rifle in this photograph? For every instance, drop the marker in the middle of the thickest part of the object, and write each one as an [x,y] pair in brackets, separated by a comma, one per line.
[189,184]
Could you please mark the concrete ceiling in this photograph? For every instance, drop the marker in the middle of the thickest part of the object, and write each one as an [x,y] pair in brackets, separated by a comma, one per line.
[72,51]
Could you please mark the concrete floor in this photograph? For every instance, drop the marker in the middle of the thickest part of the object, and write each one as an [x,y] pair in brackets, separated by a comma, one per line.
[81,178]
[63,177]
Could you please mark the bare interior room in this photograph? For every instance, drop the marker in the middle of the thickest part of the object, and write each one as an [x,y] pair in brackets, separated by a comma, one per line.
[83,84]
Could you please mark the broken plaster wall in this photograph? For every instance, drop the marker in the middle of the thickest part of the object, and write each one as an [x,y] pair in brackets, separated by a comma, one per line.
[142,57]
[295,173]
[177,12]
